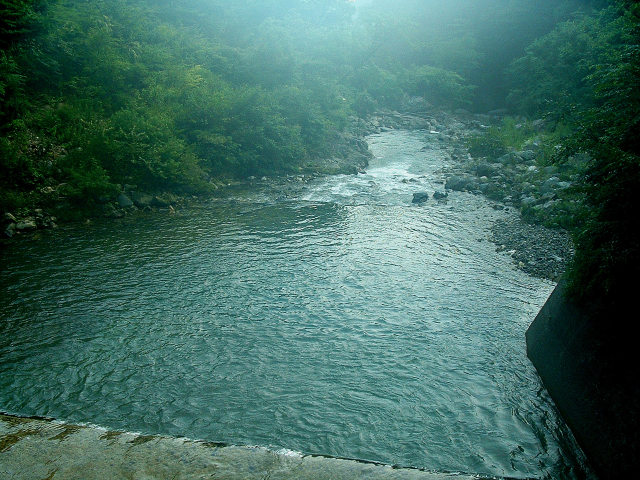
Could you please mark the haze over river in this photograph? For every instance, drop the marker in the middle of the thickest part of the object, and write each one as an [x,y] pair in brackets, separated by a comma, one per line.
[339,319]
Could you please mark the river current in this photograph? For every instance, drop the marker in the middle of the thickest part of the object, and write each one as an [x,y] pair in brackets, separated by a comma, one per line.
[338,319]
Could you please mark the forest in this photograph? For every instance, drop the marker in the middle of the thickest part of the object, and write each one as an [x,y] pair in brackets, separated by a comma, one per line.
[180,95]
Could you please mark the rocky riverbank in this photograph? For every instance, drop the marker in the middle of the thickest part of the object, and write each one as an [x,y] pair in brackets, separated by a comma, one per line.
[518,180]
[543,195]
[347,154]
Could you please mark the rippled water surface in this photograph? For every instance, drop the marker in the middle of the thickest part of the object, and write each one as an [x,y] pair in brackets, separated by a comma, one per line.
[337,319]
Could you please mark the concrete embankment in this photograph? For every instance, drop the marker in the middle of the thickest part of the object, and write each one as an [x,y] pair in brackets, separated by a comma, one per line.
[589,366]
[33,448]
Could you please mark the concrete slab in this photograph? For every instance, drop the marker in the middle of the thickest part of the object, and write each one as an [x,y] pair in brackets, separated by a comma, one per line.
[44,449]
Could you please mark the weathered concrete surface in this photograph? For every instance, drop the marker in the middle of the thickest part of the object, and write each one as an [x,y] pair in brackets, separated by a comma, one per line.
[38,449]
[589,364]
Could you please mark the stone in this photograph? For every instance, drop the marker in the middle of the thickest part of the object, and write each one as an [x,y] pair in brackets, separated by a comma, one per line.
[538,124]
[459,183]
[420,197]
[26,224]
[509,159]
[550,185]
[440,195]
[110,211]
[141,200]
[527,155]
[124,201]
[485,170]
[161,201]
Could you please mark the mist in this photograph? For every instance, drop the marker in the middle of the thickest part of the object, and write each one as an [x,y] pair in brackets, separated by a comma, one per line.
[307,213]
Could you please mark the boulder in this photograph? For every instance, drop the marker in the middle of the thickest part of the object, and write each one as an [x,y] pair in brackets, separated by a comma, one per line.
[510,159]
[26,224]
[161,201]
[550,185]
[141,200]
[124,201]
[440,195]
[538,124]
[459,183]
[527,155]
[420,197]
[485,170]
[110,211]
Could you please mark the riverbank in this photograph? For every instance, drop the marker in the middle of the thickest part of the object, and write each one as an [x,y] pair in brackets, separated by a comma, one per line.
[534,247]
[348,154]
[536,241]
[37,448]
[306,347]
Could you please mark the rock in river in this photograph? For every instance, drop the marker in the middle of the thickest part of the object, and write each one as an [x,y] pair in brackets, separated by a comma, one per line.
[420,197]
[440,195]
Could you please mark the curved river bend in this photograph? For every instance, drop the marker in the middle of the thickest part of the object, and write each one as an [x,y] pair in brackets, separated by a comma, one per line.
[340,320]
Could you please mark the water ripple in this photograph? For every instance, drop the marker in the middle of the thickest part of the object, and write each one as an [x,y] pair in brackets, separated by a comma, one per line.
[346,322]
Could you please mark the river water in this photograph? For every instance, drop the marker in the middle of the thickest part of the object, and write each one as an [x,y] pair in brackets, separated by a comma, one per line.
[338,319]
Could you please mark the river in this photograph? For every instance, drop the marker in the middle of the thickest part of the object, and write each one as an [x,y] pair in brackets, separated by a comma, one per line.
[338,319]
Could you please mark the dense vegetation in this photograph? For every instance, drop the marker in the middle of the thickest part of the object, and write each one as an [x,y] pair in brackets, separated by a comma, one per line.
[176,95]
[583,78]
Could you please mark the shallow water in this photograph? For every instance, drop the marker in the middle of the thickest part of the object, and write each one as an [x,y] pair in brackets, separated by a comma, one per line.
[340,320]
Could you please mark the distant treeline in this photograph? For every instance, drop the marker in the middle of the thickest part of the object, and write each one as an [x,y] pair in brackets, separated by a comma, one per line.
[171,94]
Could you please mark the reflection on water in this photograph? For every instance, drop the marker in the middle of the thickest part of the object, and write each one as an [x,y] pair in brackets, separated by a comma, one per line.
[342,321]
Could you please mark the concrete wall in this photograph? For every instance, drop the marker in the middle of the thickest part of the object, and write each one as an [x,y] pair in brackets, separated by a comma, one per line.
[37,448]
[587,362]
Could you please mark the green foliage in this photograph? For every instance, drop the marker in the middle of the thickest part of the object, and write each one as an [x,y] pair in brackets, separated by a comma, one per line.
[497,140]
[486,145]
[156,94]
[438,86]
[11,88]
[16,17]
[586,73]
[553,75]
[378,83]
[608,252]
[172,94]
